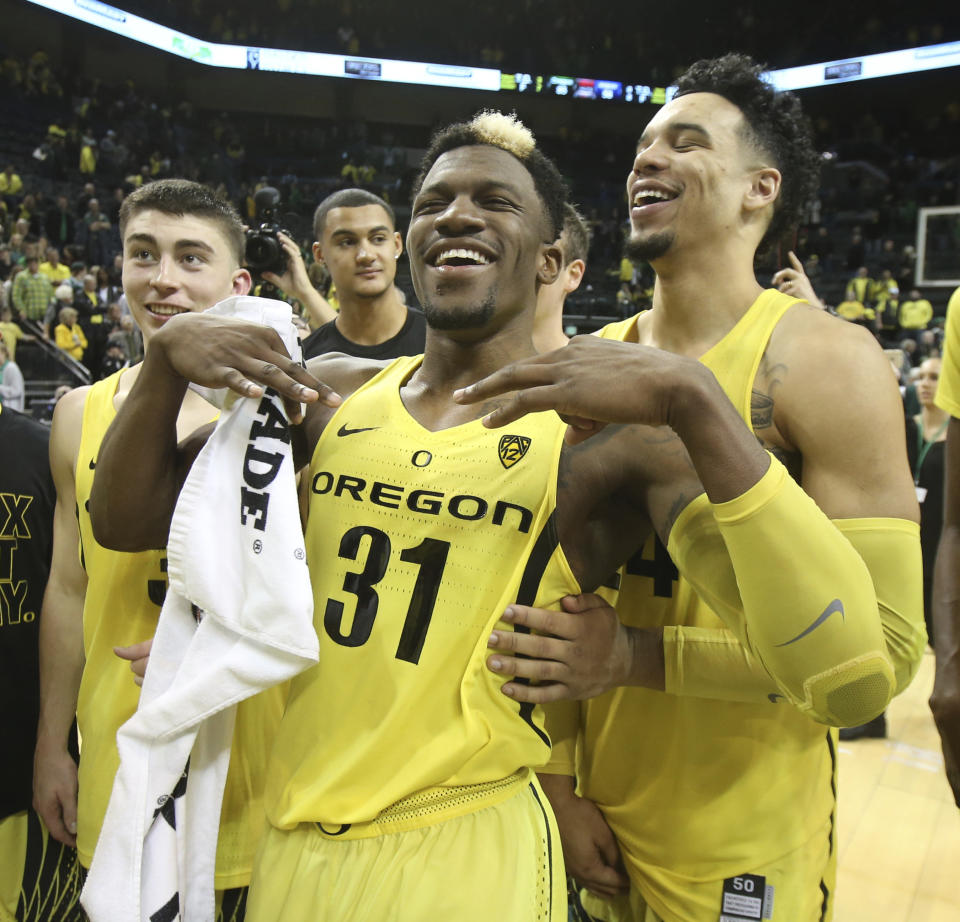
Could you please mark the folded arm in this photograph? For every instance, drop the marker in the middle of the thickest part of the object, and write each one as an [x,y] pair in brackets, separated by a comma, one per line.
[831,613]
[141,465]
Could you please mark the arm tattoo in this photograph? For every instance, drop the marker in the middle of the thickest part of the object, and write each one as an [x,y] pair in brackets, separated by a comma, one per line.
[761,410]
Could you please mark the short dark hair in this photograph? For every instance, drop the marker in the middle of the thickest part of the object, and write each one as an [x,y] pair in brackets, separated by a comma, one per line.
[347,198]
[576,234]
[775,124]
[515,139]
[183,197]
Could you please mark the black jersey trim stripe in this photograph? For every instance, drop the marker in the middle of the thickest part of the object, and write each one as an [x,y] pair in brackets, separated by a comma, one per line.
[543,548]
[826,900]
[546,826]
[824,889]
[833,786]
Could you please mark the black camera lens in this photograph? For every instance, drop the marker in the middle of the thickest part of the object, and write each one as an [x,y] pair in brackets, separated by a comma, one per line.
[264,252]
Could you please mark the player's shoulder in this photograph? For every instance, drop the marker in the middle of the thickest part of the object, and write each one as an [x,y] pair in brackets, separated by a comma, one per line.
[66,426]
[833,375]
[810,340]
[345,373]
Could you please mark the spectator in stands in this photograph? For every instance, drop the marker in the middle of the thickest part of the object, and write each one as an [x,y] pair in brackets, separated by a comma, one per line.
[915,314]
[859,287]
[574,243]
[97,226]
[856,251]
[130,336]
[909,347]
[11,332]
[90,294]
[885,296]
[926,441]
[107,292]
[906,267]
[28,216]
[83,202]
[78,269]
[18,253]
[929,343]
[114,359]
[32,292]
[115,272]
[113,209]
[11,381]
[69,335]
[822,245]
[59,224]
[6,262]
[88,155]
[53,269]
[11,185]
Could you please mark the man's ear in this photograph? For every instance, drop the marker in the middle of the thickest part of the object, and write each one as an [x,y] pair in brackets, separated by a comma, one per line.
[317,251]
[242,282]
[398,239]
[551,262]
[574,273]
[764,188]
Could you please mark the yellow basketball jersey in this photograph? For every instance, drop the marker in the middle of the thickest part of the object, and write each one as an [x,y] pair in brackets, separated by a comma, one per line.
[699,789]
[948,390]
[124,595]
[417,541]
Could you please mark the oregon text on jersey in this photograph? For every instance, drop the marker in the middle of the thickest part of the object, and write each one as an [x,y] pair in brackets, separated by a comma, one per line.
[464,506]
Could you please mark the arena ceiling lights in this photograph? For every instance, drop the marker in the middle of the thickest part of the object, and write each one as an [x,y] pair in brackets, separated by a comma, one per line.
[242,57]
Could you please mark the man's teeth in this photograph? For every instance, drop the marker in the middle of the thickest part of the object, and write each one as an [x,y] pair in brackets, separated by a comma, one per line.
[472,255]
[641,197]
[164,311]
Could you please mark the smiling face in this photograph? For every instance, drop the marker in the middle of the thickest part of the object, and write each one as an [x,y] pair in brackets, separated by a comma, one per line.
[176,263]
[695,178]
[360,248]
[476,239]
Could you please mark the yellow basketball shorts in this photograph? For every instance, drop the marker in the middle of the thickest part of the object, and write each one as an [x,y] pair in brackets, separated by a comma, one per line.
[499,861]
[40,879]
[797,887]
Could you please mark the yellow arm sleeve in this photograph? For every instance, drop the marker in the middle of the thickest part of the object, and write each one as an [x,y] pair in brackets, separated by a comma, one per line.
[837,623]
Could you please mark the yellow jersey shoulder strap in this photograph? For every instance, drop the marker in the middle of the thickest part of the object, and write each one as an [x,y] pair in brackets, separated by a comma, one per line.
[623,330]
[98,413]
[735,358]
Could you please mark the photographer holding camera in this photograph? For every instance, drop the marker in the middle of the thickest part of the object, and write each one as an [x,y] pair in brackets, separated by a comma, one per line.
[272,255]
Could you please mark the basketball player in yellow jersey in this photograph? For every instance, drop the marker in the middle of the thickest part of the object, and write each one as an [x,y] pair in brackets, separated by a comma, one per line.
[400,784]
[945,701]
[182,250]
[706,790]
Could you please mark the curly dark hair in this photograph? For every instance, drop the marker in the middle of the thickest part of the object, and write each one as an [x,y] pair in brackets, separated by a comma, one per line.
[547,180]
[774,124]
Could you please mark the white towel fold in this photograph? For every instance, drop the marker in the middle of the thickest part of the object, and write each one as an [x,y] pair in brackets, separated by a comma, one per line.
[237,619]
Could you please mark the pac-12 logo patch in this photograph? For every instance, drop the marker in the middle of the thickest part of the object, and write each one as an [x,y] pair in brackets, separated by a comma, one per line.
[512,449]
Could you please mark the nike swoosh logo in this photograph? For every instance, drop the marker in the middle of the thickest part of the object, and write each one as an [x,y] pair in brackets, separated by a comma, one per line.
[343,430]
[93,465]
[773,697]
[835,606]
